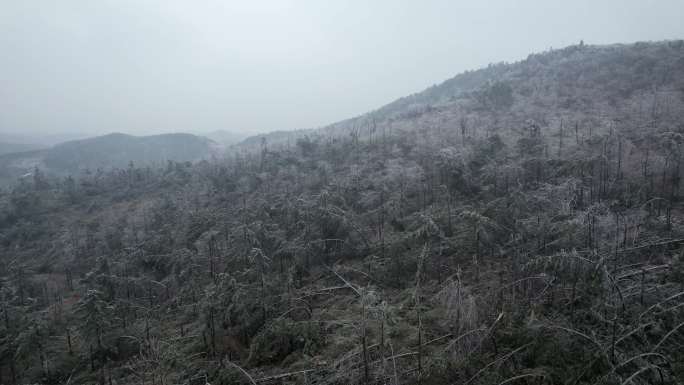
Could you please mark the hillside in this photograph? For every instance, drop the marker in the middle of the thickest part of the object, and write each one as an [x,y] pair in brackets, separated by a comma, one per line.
[518,224]
[586,79]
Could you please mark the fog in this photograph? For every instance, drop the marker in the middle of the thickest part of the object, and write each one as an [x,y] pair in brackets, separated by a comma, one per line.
[145,67]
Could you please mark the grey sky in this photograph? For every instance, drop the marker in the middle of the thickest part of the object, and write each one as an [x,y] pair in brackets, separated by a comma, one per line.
[143,66]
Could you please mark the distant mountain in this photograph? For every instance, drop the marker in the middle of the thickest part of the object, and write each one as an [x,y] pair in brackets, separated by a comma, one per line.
[105,152]
[225,137]
[41,140]
[118,150]
[275,139]
[9,148]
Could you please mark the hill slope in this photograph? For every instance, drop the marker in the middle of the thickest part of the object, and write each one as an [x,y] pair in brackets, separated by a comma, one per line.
[523,227]
[593,80]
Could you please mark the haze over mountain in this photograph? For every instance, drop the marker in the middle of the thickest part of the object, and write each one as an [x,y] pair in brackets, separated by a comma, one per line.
[517,224]
[161,66]
[9,147]
[303,192]
[45,139]
[225,137]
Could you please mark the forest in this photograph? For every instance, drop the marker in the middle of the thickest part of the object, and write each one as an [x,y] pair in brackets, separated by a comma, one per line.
[518,224]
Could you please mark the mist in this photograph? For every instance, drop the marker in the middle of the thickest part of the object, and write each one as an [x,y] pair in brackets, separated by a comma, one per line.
[145,67]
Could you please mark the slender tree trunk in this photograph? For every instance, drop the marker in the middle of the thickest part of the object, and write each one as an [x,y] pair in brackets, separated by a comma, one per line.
[13,370]
[364,342]
[420,345]
[92,359]
[71,352]
[560,139]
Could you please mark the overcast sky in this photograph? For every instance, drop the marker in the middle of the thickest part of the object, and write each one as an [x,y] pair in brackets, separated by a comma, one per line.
[151,66]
